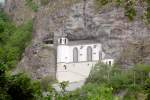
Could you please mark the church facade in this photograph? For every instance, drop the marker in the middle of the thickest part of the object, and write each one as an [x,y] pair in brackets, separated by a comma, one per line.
[75,59]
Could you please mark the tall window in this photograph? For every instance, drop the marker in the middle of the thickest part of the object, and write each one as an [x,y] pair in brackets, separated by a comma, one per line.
[100,55]
[89,54]
[75,55]
[61,40]
[110,63]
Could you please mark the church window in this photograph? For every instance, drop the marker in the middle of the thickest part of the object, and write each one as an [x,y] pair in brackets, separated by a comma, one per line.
[75,55]
[109,62]
[89,54]
[65,41]
[60,40]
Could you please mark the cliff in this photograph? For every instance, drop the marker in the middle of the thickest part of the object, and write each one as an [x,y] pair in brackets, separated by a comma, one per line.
[80,20]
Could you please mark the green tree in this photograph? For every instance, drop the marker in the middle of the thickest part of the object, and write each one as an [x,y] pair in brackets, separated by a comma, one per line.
[90,91]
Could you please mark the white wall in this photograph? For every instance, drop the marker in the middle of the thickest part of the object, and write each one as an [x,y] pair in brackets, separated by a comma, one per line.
[74,72]
[65,52]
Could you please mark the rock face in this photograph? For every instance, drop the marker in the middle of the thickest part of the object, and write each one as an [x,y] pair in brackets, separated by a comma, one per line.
[79,20]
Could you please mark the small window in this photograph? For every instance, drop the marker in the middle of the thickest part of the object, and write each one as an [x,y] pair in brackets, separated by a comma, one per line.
[75,55]
[109,62]
[65,41]
[94,46]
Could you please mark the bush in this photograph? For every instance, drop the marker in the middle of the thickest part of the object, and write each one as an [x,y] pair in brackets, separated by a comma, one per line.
[147,88]
[130,11]
[46,82]
[99,74]
[18,87]
[14,40]
[22,88]
[89,92]
[44,2]
[32,5]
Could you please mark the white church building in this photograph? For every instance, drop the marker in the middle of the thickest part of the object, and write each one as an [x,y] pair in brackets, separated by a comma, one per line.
[75,59]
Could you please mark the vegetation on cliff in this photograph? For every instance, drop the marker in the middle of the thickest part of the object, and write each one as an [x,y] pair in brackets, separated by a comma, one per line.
[31,4]
[130,7]
[104,82]
[13,40]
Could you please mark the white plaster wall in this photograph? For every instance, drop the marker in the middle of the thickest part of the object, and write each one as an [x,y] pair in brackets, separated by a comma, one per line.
[65,52]
[74,72]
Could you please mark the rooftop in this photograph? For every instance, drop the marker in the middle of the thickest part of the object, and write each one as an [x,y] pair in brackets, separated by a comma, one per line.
[83,42]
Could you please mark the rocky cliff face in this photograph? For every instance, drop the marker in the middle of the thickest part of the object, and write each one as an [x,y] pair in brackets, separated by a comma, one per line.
[79,20]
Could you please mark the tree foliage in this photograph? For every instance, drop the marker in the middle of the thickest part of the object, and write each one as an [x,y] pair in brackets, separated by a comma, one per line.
[87,92]
[133,80]
[13,40]
[31,4]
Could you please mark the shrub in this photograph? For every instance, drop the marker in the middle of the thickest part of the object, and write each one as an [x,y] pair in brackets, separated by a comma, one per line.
[14,40]
[18,87]
[147,88]
[89,92]
[130,11]
[46,82]
[44,2]
[32,5]
[99,74]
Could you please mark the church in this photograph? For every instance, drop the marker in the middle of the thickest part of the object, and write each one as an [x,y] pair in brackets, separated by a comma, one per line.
[75,59]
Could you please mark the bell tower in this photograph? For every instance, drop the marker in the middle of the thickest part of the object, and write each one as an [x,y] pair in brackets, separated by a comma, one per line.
[63,40]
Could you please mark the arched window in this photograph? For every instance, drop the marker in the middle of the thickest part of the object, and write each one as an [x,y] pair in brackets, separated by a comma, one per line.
[75,55]
[89,54]
[60,41]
